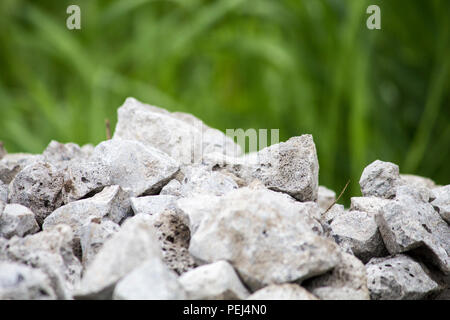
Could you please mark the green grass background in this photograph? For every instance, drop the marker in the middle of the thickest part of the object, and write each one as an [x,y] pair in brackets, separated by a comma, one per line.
[303,66]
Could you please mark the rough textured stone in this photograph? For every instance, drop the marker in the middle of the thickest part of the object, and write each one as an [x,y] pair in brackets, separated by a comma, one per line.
[407,223]
[181,136]
[59,154]
[326,197]
[174,235]
[150,281]
[17,220]
[3,192]
[358,231]
[290,167]
[417,181]
[13,163]
[215,281]
[398,278]
[112,203]
[153,205]
[371,205]
[51,252]
[20,282]
[143,170]
[126,250]
[442,201]
[347,281]
[266,236]
[93,234]
[286,291]
[38,187]
[84,178]
[379,179]
[335,211]
[199,179]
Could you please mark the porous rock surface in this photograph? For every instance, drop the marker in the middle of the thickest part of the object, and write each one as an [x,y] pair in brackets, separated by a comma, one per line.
[169,208]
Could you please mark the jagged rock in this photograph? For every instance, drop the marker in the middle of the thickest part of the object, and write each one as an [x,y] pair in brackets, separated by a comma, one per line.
[3,192]
[347,281]
[59,154]
[409,223]
[84,178]
[417,181]
[199,180]
[126,250]
[174,236]
[87,150]
[442,201]
[286,291]
[358,231]
[153,205]
[325,197]
[150,281]
[17,220]
[143,170]
[290,167]
[215,281]
[398,278]
[93,234]
[112,203]
[13,163]
[335,211]
[20,282]
[51,252]
[379,179]
[267,236]
[181,136]
[38,187]
[371,205]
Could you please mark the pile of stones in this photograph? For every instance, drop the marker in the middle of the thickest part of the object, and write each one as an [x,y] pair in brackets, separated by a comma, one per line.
[170,208]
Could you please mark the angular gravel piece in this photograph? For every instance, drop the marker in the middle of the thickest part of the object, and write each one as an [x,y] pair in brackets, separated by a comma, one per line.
[379,179]
[17,220]
[442,201]
[287,291]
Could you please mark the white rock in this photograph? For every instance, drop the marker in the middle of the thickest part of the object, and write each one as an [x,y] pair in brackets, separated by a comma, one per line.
[442,201]
[347,281]
[93,234]
[290,167]
[150,281]
[407,223]
[13,163]
[371,205]
[153,205]
[358,231]
[379,179]
[59,154]
[335,211]
[326,197]
[398,278]
[126,250]
[286,291]
[38,187]
[267,236]
[215,281]
[17,220]
[3,192]
[20,282]
[51,252]
[417,181]
[143,170]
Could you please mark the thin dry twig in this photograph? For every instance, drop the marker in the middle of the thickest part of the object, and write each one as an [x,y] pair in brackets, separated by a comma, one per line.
[108,129]
[340,195]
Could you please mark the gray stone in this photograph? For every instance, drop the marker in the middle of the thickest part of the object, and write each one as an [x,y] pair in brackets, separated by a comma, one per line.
[215,281]
[84,178]
[2,150]
[335,211]
[371,205]
[126,250]
[442,201]
[143,170]
[379,179]
[150,281]
[290,167]
[417,181]
[286,291]
[347,281]
[325,197]
[51,252]
[153,205]
[59,154]
[358,231]
[407,223]
[93,234]
[181,136]
[13,163]
[398,278]
[17,220]
[267,236]
[3,192]
[198,179]
[20,282]
[38,187]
